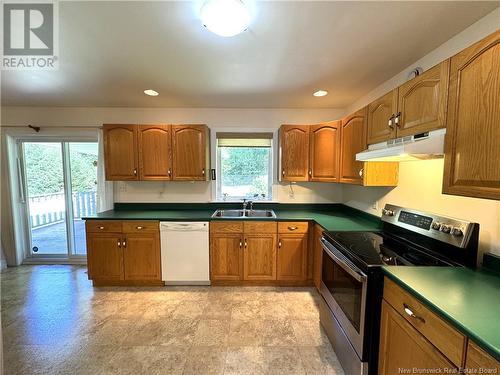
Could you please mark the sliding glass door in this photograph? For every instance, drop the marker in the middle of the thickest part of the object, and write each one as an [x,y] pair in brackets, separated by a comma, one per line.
[60,180]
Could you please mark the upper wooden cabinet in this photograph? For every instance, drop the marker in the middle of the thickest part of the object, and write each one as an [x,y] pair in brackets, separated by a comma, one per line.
[422,101]
[472,151]
[353,140]
[190,152]
[381,114]
[294,152]
[324,152]
[155,152]
[417,106]
[120,152]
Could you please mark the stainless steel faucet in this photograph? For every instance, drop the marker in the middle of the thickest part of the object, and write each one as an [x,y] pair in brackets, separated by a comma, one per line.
[244,205]
[250,203]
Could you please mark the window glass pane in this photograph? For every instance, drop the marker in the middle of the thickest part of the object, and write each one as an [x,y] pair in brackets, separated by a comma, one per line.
[83,165]
[245,172]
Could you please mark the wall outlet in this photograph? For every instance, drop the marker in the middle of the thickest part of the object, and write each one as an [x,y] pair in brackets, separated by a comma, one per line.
[375,206]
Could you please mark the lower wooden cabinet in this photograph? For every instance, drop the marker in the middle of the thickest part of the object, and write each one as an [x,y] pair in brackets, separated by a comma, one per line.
[478,361]
[104,256]
[403,347]
[123,252]
[249,251]
[292,257]
[226,262]
[259,257]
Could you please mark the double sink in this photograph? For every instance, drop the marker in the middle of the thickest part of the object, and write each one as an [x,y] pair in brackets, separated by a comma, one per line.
[244,213]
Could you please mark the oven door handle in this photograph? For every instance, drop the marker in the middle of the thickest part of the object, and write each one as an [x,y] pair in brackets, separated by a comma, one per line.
[343,262]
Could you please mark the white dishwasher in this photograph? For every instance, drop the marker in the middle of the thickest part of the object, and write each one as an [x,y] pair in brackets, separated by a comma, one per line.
[184,253]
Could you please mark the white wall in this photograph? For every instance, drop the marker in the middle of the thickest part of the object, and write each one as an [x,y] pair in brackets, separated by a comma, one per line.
[420,182]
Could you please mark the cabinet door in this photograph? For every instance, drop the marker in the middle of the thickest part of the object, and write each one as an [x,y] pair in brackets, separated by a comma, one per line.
[105,256]
[381,113]
[294,152]
[353,140]
[422,101]
[318,255]
[155,152]
[403,347]
[189,152]
[473,122]
[477,359]
[226,256]
[120,152]
[259,257]
[325,151]
[292,257]
[141,256]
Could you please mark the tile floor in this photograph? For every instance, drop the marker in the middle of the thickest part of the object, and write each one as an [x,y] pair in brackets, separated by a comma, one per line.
[55,322]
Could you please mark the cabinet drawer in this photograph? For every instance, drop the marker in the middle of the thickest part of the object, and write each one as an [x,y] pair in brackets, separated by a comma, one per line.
[226,227]
[293,227]
[444,337]
[103,226]
[145,226]
[256,227]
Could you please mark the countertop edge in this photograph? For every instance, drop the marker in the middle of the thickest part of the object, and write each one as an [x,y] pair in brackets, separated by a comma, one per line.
[493,351]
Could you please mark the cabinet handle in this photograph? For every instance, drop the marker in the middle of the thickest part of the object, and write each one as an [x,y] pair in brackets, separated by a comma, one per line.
[361,171]
[169,172]
[203,171]
[293,228]
[139,228]
[283,172]
[310,172]
[409,312]
[135,172]
[124,243]
[119,243]
[390,121]
[396,119]
[279,244]
[246,244]
[241,244]
[100,228]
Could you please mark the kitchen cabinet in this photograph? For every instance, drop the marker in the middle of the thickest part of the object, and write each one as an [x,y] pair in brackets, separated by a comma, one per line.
[416,106]
[324,152]
[123,253]
[353,140]
[472,151]
[190,152]
[226,262]
[120,152]
[292,251]
[381,114]
[403,347]
[413,335]
[294,152]
[318,254]
[259,257]
[155,152]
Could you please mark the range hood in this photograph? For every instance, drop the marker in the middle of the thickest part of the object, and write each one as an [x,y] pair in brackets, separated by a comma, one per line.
[429,145]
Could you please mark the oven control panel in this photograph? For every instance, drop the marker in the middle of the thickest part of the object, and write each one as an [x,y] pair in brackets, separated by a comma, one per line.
[451,230]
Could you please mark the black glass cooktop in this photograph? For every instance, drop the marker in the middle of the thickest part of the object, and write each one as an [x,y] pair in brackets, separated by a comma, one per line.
[377,248]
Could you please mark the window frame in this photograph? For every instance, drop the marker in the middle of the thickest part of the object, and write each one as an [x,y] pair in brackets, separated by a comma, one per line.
[216,163]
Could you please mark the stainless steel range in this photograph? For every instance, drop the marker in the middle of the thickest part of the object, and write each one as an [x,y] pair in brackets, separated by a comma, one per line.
[352,281]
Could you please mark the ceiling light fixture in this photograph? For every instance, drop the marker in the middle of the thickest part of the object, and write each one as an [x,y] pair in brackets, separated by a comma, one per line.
[151,92]
[320,93]
[225,17]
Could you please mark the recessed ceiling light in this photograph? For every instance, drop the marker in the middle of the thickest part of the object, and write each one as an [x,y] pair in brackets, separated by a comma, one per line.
[320,93]
[151,92]
[225,17]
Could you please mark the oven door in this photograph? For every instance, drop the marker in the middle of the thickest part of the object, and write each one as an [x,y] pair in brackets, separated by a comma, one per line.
[343,285]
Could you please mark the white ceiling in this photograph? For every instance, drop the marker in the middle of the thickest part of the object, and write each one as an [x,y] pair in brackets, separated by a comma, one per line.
[111,51]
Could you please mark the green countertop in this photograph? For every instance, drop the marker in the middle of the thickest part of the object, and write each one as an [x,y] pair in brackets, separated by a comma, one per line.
[330,220]
[468,299]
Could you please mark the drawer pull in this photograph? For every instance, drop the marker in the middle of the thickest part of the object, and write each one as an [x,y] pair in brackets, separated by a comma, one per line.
[100,228]
[139,227]
[409,312]
[124,243]
[292,228]
[119,243]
